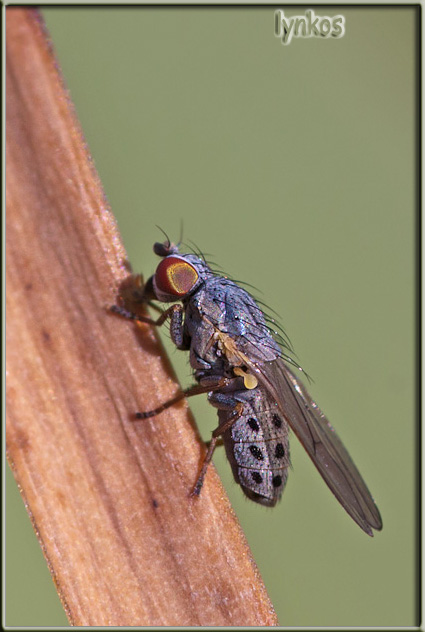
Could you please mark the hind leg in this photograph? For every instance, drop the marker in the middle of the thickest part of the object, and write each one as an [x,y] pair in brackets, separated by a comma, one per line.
[222,401]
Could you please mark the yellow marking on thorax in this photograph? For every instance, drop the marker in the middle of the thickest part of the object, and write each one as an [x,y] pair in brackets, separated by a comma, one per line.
[236,358]
[249,380]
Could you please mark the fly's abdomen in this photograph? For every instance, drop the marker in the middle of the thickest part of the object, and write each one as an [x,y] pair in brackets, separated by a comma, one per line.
[257,447]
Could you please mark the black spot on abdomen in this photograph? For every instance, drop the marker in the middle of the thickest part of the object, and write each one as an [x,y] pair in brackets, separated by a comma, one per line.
[256,452]
[253,424]
[279,451]
[277,481]
[277,421]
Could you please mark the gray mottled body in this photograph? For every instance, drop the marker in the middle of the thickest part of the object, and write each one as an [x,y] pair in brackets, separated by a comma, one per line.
[256,444]
[217,312]
[236,360]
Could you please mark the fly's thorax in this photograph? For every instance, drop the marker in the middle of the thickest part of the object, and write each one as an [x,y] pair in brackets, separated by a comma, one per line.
[234,312]
[257,446]
[220,321]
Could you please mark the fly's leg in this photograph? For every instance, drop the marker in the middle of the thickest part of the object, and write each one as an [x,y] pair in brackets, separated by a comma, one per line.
[209,384]
[174,313]
[219,443]
[121,311]
[212,384]
[220,430]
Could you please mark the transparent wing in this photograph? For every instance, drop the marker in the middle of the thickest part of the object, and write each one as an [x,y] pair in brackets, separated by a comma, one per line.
[321,442]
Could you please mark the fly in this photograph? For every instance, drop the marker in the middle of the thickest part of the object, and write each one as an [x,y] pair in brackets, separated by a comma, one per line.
[239,363]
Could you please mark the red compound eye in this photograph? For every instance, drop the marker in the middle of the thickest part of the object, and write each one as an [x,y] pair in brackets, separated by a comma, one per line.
[175,276]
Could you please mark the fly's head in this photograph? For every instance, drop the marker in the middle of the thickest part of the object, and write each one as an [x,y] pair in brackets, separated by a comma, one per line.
[177,276]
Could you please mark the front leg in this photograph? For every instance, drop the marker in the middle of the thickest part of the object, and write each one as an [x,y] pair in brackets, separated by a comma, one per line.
[174,313]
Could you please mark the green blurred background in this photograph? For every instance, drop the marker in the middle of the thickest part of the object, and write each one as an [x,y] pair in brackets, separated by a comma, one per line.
[295,167]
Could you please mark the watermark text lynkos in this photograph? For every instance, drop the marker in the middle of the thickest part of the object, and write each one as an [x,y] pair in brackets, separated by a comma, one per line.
[308,25]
